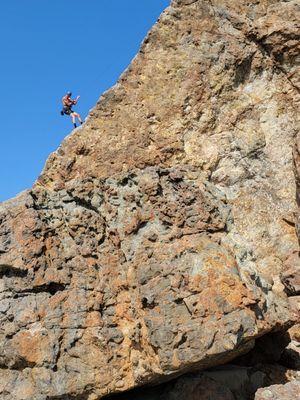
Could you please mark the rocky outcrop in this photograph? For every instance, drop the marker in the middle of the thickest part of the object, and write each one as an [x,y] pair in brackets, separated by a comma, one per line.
[156,240]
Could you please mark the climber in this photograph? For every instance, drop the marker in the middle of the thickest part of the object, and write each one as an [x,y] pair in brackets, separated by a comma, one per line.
[68,103]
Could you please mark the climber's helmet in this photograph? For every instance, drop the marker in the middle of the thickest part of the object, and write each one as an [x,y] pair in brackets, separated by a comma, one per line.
[69,94]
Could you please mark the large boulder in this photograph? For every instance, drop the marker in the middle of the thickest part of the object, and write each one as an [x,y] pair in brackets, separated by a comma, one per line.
[155,240]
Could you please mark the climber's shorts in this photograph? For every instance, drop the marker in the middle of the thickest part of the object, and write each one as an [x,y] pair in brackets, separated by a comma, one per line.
[67,110]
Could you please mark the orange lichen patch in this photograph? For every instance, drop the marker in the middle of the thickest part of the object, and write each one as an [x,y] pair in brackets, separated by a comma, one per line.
[124,305]
[33,345]
[93,319]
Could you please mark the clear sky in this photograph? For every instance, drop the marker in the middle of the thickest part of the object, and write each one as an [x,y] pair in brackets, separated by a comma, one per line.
[51,46]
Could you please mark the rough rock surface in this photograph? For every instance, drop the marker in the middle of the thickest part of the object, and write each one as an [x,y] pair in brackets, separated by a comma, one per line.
[156,241]
[289,391]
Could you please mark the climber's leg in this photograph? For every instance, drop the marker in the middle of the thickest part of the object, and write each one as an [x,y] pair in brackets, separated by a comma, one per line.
[78,116]
[73,115]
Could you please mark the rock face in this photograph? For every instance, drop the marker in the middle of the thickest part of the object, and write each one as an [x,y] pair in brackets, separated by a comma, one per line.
[156,238]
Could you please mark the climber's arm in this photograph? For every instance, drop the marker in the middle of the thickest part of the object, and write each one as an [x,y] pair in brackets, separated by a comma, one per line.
[76,100]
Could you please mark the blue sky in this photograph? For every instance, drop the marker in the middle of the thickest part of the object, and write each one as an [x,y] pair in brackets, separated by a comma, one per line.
[48,47]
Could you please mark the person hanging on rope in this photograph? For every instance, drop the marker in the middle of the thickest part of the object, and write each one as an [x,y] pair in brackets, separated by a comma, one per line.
[68,103]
